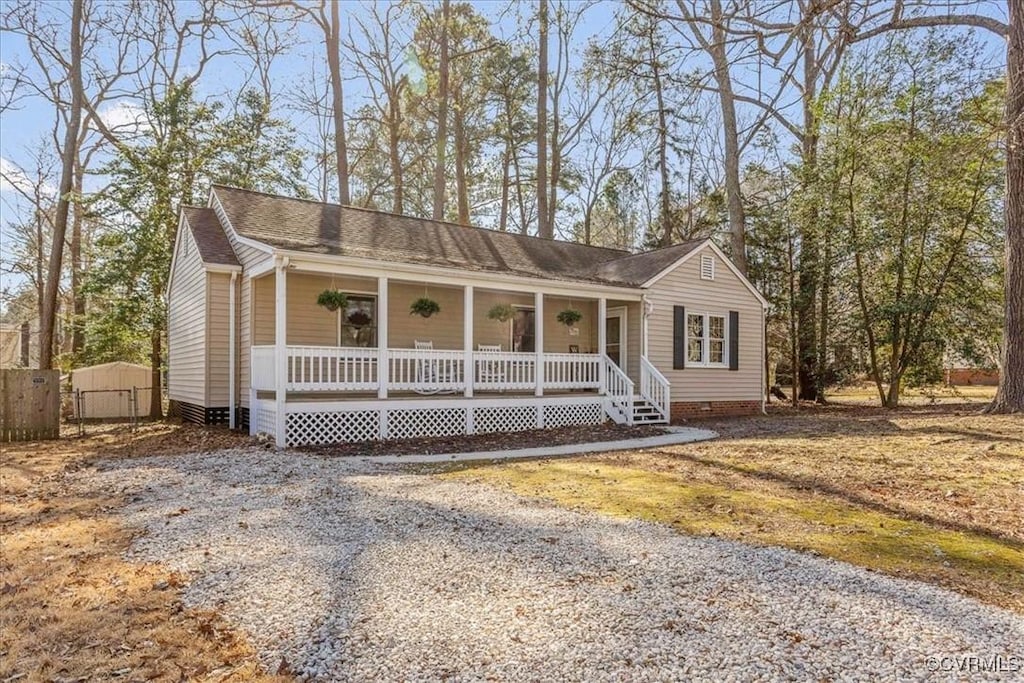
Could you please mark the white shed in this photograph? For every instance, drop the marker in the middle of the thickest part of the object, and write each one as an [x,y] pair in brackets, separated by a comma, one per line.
[106,390]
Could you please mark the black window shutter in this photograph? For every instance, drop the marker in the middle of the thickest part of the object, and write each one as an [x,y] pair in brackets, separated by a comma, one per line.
[734,340]
[678,337]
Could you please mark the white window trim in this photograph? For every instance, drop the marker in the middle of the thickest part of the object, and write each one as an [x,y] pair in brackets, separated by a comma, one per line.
[706,348]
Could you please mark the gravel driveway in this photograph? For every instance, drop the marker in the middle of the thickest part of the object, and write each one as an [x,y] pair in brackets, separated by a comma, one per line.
[350,573]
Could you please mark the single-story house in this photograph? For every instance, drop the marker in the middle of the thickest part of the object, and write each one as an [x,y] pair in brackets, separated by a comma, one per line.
[528,332]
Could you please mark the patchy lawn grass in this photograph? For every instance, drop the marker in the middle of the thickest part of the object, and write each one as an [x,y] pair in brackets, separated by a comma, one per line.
[930,493]
[70,608]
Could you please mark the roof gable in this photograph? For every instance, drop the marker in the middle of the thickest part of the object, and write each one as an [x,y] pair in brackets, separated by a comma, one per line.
[710,245]
[209,236]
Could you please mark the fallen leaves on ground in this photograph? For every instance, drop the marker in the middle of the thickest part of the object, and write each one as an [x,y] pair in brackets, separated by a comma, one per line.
[70,608]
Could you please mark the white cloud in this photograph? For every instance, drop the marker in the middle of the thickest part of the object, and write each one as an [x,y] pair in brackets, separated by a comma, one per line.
[14,179]
[124,117]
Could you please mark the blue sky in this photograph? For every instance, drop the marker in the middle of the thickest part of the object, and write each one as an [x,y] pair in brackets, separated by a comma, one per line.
[23,127]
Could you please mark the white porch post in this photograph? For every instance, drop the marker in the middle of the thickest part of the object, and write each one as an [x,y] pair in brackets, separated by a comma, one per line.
[252,367]
[538,341]
[468,367]
[280,348]
[383,371]
[645,312]
[602,341]
[231,350]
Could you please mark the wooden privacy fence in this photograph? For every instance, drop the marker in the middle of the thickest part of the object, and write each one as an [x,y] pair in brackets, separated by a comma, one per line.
[29,405]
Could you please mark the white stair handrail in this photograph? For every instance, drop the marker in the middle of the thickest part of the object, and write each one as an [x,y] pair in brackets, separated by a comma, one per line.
[655,388]
[619,390]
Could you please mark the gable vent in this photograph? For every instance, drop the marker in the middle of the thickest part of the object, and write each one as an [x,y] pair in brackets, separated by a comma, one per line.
[707,267]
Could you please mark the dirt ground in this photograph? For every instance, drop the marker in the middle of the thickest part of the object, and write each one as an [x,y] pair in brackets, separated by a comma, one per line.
[70,608]
[933,492]
[497,441]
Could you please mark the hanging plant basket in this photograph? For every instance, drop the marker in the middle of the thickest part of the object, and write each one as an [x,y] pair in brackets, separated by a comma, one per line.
[501,312]
[332,299]
[425,307]
[569,317]
[359,319]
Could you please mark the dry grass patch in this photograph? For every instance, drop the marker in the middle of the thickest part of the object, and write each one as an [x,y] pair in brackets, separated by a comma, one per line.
[71,608]
[927,493]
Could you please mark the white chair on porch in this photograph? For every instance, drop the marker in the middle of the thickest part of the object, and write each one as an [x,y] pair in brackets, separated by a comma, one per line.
[490,370]
[428,372]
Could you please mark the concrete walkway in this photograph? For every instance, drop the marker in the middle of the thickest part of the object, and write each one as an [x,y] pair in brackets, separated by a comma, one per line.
[676,435]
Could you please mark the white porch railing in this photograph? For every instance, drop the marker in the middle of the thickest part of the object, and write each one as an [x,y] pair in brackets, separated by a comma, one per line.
[619,391]
[320,368]
[262,370]
[426,371]
[332,368]
[655,388]
[504,370]
[572,371]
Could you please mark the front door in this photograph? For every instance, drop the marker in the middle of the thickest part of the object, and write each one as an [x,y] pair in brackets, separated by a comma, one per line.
[524,330]
[615,335]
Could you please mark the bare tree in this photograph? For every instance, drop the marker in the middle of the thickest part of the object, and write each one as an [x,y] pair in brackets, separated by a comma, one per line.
[63,78]
[329,22]
[544,228]
[442,116]
[381,68]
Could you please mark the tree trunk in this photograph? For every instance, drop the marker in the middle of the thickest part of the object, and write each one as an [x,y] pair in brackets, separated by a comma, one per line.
[1010,395]
[338,102]
[823,314]
[461,187]
[60,224]
[520,198]
[794,353]
[78,315]
[503,210]
[667,227]
[156,405]
[543,229]
[809,254]
[733,193]
[442,117]
[398,205]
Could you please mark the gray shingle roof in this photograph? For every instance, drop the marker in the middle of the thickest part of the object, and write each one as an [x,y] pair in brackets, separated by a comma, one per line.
[317,227]
[639,268]
[208,233]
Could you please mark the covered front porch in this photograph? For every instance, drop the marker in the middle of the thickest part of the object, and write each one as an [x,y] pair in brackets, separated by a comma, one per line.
[374,369]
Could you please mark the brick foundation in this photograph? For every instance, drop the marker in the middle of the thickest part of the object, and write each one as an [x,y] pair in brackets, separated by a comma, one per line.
[692,410]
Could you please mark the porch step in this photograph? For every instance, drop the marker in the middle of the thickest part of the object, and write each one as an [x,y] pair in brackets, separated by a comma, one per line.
[646,413]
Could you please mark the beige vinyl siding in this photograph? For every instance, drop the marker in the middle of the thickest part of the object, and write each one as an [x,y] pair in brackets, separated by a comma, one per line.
[310,324]
[186,324]
[683,287]
[250,258]
[218,286]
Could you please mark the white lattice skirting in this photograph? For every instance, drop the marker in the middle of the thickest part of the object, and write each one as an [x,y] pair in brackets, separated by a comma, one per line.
[316,423]
[264,417]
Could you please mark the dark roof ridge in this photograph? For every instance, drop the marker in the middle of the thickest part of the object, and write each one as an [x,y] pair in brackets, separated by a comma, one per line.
[689,242]
[516,235]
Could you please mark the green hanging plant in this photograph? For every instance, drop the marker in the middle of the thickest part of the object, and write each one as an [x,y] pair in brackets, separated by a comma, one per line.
[501,312]
[424,306]
[332,299]
[569,317]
